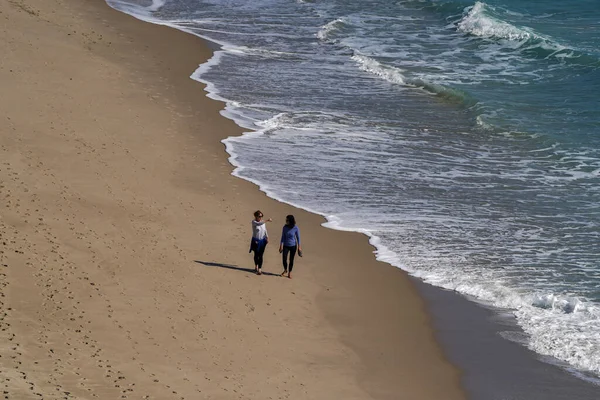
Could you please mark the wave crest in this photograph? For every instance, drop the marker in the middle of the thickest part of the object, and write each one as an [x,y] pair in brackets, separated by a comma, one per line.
[395,75]
[564,304]
[139,11]
[390,74]
[329,28]
[156,5]
[482,20]
[479,22]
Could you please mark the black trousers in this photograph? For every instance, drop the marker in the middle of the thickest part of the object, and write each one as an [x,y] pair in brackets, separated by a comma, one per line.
[259,251]
[291,251]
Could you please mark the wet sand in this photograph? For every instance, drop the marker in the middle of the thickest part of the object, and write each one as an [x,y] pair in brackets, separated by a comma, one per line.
[490,348]
[124,238]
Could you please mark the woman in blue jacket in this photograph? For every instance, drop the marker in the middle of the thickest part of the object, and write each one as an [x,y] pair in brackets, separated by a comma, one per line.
[290,242]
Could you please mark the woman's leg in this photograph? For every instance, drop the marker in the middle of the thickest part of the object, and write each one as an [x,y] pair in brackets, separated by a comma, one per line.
[258,255]
[257,258]
[284,257]
[261,251]
[292,251]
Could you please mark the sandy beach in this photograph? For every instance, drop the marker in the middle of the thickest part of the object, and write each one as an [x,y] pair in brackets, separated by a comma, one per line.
[124,265]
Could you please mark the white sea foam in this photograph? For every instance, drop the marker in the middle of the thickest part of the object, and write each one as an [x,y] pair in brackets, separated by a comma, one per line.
[397,76]
[263,53]
[330,28]
[564,327]
[138,10]
[277,122]
[480,119]
[390,74]
[156,5]
[478,22]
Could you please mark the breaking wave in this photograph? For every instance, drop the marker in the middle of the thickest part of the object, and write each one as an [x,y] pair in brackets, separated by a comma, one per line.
[396,76]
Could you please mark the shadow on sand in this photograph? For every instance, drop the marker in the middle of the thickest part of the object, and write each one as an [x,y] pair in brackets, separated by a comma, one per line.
[234,267]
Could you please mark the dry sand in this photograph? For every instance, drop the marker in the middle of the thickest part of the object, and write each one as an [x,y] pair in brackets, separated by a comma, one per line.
[124,239]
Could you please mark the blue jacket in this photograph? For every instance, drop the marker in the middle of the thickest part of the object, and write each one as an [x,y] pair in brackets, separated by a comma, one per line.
[257,244]
[290,236]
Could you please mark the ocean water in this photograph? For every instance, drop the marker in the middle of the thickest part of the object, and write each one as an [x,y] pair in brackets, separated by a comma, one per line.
[463,137]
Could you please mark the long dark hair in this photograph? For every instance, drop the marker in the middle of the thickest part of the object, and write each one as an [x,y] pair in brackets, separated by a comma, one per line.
[290,220]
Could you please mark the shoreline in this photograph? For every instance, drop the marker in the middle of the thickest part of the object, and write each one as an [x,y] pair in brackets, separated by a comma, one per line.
[484,342]
[533,341]
[492,323]
[126,239]
[492,326]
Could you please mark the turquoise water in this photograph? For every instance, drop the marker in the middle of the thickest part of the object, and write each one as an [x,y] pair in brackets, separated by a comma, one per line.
[463,137]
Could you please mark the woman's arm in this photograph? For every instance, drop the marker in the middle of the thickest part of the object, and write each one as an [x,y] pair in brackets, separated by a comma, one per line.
[282,239]
[298,237]
[259,223]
